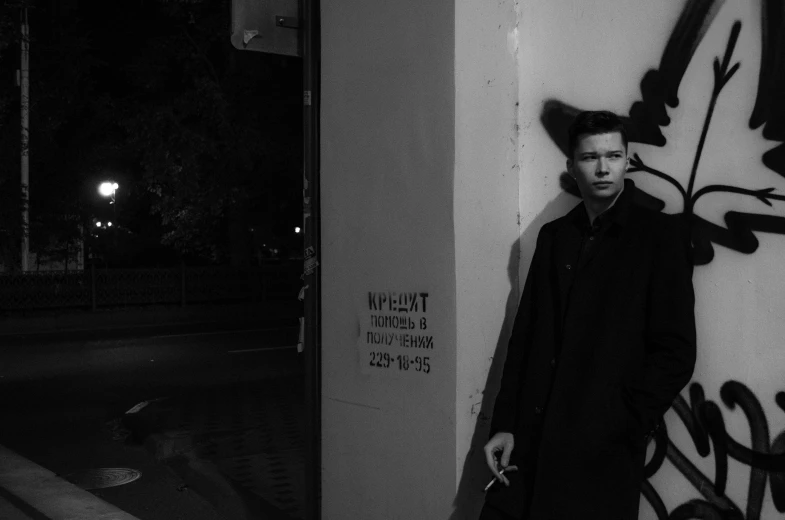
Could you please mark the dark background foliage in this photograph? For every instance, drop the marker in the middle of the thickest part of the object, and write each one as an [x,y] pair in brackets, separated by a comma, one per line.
[203,139]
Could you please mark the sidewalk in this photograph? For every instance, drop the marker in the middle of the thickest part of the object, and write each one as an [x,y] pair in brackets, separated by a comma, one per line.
[249,435]
[8,511]
[31,492]
[173,486]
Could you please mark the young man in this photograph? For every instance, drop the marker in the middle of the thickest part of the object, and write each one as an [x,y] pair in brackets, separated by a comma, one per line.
[603,341]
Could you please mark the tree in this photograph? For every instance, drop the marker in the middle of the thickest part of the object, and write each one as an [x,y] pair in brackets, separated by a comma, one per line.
[205,137]
[215,132]
[65,116]
[10,192]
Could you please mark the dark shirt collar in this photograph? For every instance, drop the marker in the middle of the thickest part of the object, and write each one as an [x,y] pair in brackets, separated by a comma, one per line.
[616,214]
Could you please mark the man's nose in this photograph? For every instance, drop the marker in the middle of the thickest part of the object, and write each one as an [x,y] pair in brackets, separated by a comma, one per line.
[602,167]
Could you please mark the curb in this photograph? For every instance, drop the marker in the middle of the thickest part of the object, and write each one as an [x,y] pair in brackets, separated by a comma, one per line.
[25,483]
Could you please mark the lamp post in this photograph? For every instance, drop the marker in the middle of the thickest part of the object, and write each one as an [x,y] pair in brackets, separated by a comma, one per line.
[24,84]
[108,189]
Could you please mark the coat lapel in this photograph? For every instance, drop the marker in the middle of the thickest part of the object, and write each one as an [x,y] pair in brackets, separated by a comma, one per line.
[607,249]
[617,236]
[563,274]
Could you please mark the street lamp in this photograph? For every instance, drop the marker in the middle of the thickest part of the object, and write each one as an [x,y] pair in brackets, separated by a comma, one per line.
[108,189]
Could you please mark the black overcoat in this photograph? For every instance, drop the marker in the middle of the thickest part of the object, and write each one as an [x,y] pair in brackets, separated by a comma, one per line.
[593,362]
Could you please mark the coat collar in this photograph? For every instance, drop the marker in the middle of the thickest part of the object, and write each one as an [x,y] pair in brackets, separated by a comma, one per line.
[618,213]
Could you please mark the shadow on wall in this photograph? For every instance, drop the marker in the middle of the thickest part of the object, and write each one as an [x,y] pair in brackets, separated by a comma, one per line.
[660,89]
[647,117]
[469,498]
[702,418]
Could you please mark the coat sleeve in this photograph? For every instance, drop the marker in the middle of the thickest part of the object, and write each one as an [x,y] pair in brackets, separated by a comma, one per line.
[505,409]
[670,343]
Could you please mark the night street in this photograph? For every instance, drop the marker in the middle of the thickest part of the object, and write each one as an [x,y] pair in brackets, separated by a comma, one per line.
[159,314]
[64,396]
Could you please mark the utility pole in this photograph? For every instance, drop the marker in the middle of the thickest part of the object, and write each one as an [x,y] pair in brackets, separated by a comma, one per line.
[24,83]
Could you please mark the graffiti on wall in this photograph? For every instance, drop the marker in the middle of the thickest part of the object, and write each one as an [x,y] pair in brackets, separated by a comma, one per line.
[704,422]
[659,88]
[647,117]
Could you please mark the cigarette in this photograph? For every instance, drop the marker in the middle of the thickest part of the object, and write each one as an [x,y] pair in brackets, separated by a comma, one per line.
[501,472]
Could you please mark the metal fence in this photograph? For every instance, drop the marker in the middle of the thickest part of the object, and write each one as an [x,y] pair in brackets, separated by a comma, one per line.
[99,287]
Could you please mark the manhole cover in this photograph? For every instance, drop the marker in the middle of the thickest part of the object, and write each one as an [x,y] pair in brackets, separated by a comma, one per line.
[102,477]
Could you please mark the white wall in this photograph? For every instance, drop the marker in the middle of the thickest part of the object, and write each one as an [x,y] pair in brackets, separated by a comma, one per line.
[486,225]
[435,182]
[593,54]
[420,194]
[387,211]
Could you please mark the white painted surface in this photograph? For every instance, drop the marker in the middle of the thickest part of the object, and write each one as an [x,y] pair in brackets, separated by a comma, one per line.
[388,151]
[426,162]
[420,193]
[593,54]
[486,226]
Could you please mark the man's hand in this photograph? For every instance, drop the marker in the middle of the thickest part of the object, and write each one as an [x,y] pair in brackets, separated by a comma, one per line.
[503,442]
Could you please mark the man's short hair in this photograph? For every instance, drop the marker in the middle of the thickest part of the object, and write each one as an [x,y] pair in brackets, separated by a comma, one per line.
[593,123]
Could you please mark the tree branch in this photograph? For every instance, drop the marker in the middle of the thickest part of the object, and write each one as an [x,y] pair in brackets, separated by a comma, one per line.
[203,56]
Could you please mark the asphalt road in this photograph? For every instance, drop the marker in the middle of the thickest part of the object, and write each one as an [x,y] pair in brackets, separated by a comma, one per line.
[60,394]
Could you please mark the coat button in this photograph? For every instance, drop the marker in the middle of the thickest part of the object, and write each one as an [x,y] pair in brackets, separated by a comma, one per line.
[569,266]
[537,410]
[553,363]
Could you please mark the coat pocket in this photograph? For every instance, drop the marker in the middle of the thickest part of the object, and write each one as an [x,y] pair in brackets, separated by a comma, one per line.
[600,423]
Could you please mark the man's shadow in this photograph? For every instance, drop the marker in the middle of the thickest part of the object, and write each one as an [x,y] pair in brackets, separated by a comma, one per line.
[469,498]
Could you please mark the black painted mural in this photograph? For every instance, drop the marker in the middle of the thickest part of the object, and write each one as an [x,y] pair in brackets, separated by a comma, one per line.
[704,421]
[659,88]
[703,418]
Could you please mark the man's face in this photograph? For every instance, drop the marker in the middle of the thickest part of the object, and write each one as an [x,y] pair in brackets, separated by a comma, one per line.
[598,166]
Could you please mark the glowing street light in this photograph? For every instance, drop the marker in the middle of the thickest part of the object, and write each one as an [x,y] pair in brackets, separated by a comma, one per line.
[98,224]
[297,229]
[108,189]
